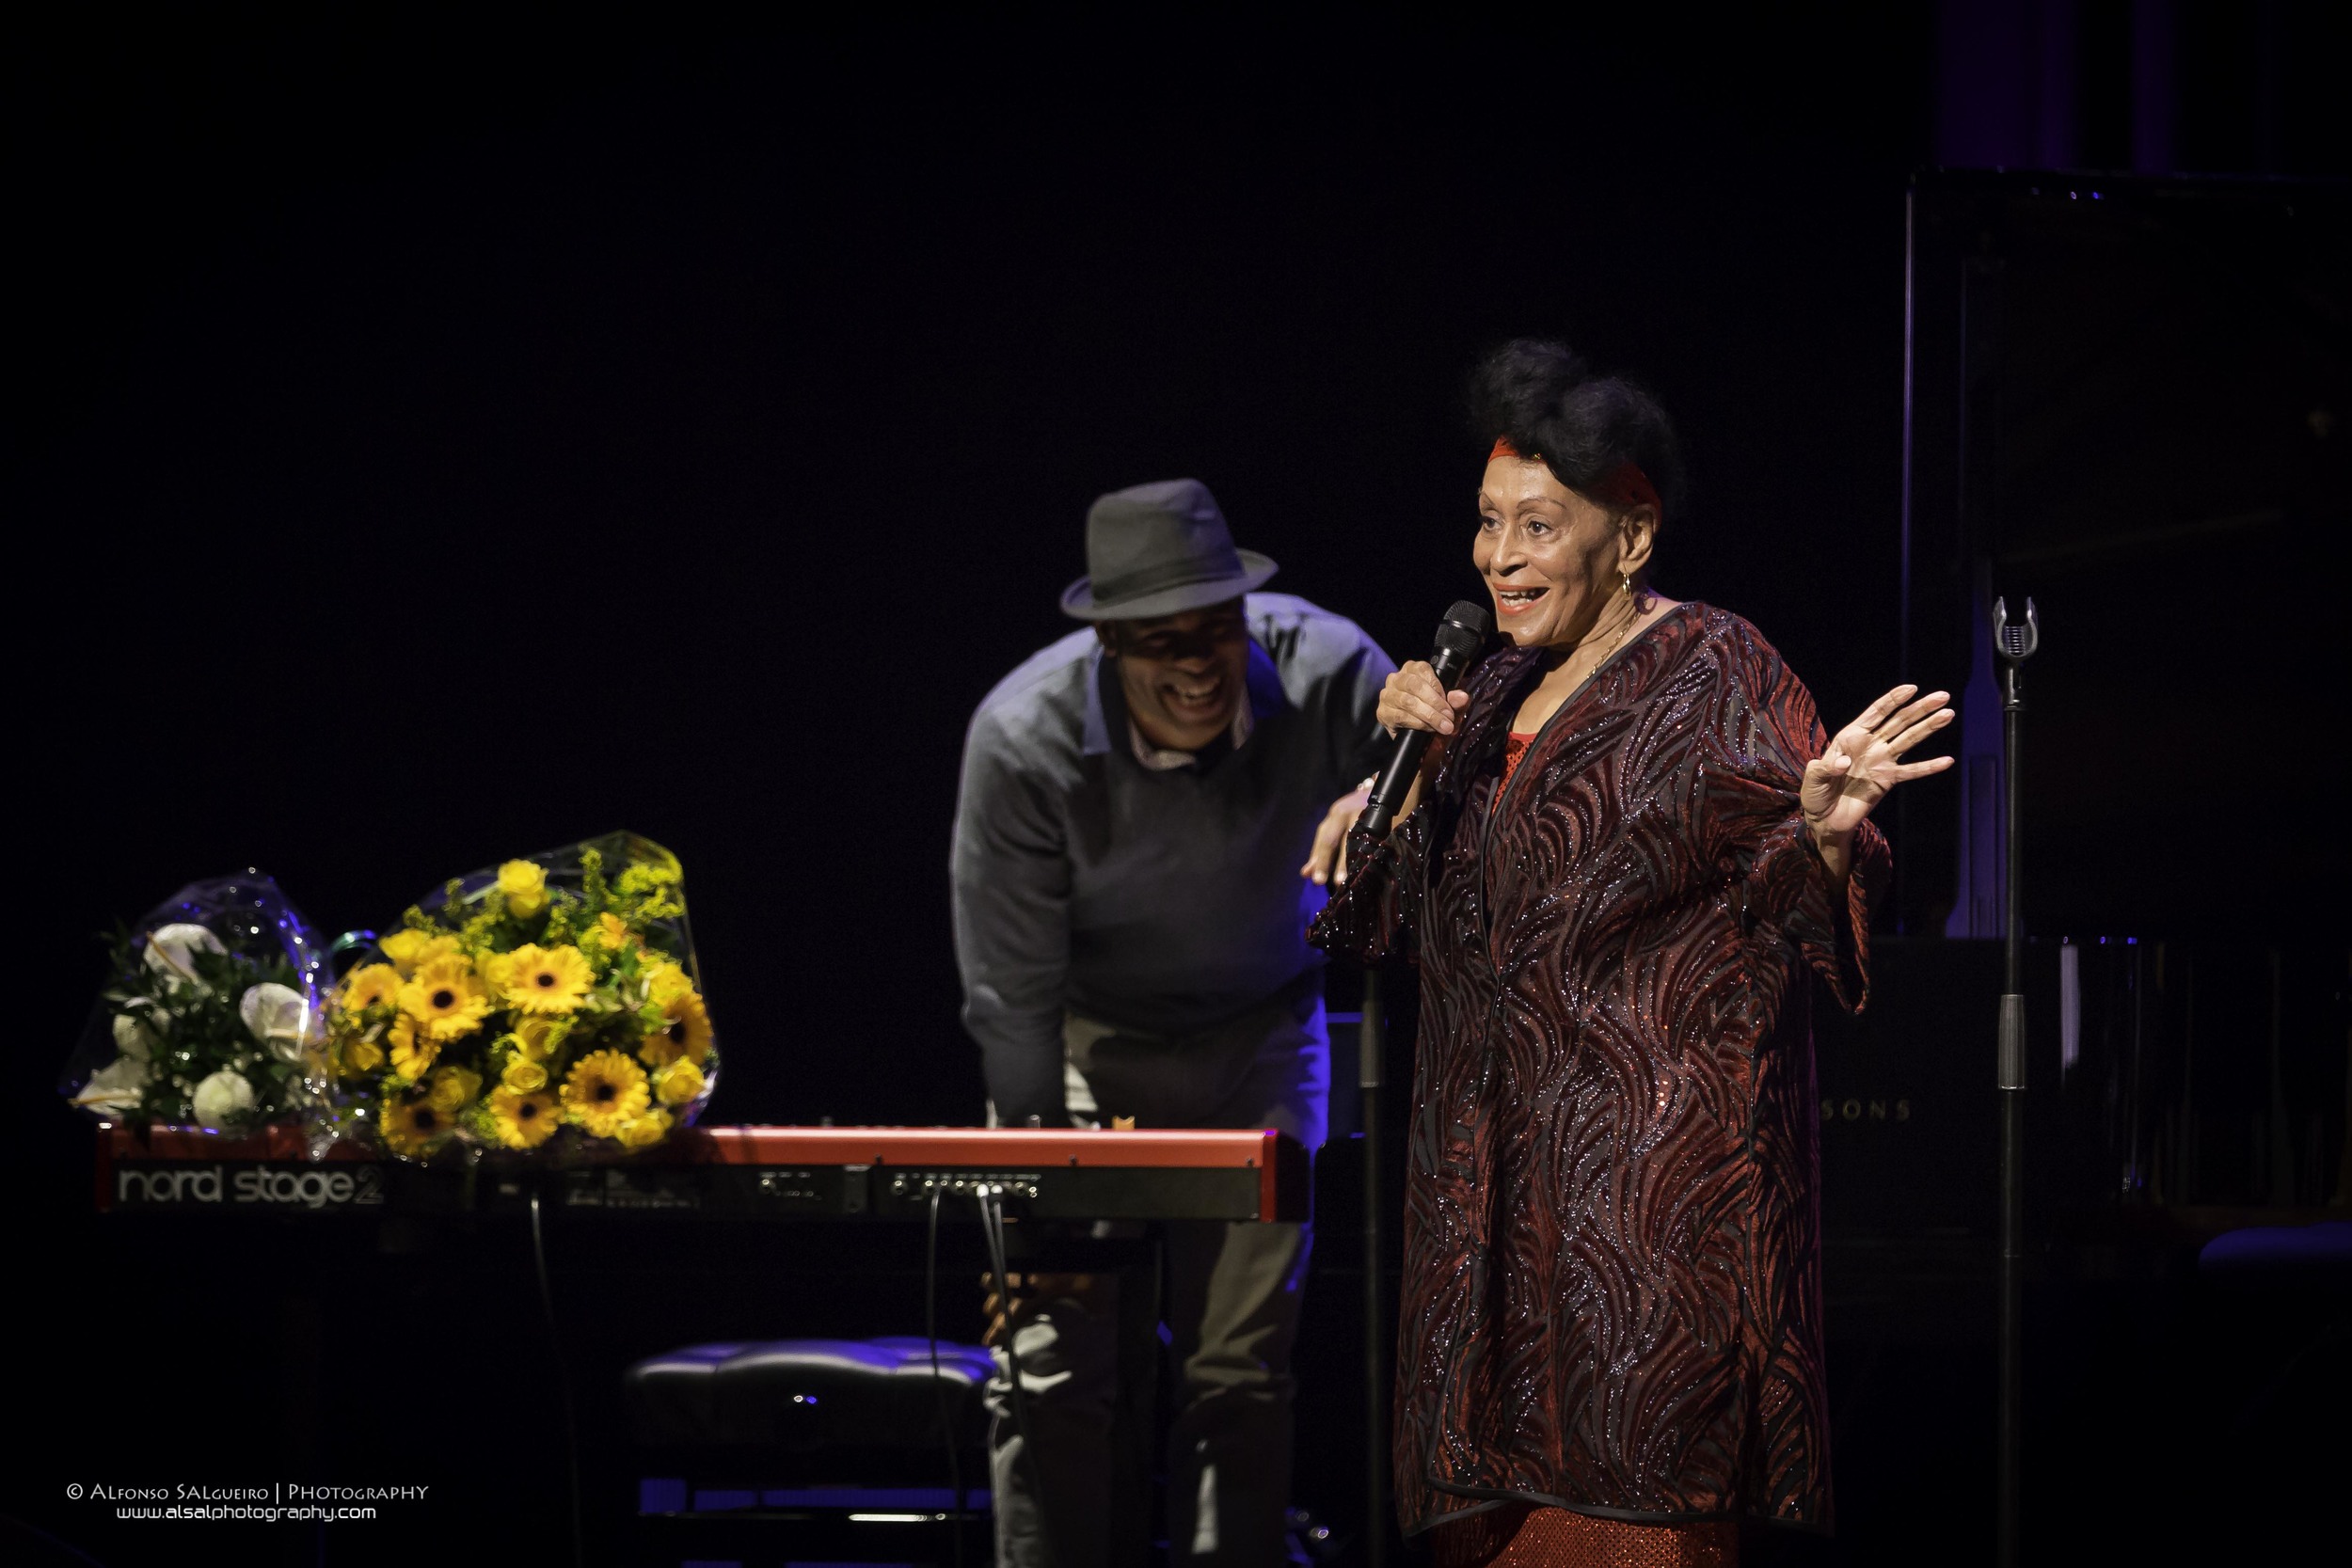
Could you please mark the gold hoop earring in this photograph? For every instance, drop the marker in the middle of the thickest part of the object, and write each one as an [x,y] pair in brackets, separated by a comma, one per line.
[1628,579]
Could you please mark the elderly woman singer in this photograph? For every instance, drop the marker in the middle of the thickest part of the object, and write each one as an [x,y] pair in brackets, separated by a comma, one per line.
[1631,842]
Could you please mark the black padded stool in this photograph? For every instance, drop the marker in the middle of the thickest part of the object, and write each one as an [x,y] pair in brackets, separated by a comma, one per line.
[833,1450]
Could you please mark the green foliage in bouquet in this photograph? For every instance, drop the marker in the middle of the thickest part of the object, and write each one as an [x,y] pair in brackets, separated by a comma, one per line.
[546,998]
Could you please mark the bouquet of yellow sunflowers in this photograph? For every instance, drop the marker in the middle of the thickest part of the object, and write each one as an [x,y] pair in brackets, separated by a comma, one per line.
[553,998]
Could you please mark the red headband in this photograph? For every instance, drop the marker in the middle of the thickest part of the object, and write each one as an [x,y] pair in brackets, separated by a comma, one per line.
[1623,486]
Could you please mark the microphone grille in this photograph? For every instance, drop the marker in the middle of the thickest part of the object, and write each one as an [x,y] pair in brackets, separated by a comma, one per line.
[1466,625]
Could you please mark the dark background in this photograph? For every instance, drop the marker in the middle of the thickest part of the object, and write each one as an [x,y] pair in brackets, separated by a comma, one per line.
[433,439]
[451,446]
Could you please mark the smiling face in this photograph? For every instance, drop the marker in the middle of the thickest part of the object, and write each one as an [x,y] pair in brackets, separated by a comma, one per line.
[1551,558]
[1181,675]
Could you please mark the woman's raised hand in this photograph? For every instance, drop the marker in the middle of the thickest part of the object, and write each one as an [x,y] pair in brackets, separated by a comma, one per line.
[1414,699]
[1865,760]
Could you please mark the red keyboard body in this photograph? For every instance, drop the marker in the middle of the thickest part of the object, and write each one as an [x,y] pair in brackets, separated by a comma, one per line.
[789,1173]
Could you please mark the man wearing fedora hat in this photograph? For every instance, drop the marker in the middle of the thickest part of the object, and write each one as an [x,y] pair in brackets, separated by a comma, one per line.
[1130,915]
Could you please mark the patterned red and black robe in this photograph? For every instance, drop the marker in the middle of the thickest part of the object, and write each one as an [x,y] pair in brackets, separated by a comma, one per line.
[1611,1296]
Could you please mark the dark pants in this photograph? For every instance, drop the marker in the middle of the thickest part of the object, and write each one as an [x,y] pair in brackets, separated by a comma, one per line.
[1232,1309]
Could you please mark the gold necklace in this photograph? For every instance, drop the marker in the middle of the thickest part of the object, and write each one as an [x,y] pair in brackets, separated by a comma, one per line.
[1623,628]
[1633,615]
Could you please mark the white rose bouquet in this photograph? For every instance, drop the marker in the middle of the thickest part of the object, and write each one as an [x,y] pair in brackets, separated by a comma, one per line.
[212,1017]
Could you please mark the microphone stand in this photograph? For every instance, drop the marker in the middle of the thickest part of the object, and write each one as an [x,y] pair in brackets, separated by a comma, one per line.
[2015,645]
[1460,635]
[1370,1048]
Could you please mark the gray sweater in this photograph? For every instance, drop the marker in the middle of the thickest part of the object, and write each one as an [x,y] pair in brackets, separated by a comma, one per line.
[1160,901]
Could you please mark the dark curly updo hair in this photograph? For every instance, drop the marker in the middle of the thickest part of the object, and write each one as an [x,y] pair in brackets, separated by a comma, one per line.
[1546,402]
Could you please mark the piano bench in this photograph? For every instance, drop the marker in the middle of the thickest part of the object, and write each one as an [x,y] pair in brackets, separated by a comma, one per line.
[807,1396]
[833,1444]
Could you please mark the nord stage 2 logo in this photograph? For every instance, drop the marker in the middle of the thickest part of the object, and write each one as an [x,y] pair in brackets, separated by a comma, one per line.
[228,1184]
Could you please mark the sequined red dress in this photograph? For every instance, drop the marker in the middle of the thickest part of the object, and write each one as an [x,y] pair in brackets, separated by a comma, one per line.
[1611,1296]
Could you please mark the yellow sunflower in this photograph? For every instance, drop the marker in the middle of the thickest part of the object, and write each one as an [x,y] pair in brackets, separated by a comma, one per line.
[453,1089]
[646,1131]
[547,979]
[525,887]
[603,1091]
[370,986]
[411,1125]
[445,998]
[677,1083]
[412,1050]
[523,1121]
[683,1032]
[412,950]
[361,1056]
[524,1076]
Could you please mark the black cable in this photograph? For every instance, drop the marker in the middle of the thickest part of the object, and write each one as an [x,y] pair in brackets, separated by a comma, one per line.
[993,1231]
[563,1381]
[939,1389]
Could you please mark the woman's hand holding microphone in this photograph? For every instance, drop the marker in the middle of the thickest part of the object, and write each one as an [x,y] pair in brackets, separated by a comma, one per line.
[1412,699]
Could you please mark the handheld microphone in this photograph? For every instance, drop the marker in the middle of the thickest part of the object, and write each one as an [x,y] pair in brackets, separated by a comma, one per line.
[1460,635]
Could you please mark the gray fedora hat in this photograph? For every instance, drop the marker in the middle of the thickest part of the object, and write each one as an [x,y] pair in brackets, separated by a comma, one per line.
[1160,549]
